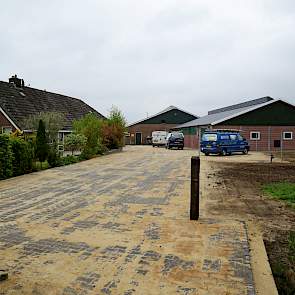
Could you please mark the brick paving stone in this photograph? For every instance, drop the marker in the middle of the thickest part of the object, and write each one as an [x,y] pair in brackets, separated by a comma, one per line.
[117,224]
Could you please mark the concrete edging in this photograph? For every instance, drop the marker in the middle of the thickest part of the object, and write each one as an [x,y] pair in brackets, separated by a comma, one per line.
[262,274]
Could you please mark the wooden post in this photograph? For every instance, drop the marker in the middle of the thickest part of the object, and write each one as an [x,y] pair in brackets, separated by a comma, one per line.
[3,275]
[195,188]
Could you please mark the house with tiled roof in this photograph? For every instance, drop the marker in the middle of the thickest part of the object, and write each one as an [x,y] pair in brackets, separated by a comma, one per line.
[18,102]
[268,124]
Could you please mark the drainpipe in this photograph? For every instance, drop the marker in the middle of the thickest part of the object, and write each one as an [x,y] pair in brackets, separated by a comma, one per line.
[199,139]
[269,140]
[282,146]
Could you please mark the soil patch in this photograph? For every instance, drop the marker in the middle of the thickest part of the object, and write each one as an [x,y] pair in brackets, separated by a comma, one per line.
[243,197]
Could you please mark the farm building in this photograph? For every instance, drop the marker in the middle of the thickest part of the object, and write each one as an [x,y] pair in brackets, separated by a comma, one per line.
[140,132]
[268,124]
[18,102]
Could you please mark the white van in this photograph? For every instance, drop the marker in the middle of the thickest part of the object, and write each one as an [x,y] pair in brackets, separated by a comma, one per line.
[159,138]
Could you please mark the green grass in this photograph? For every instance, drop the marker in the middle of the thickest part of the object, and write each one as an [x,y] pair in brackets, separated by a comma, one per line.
[281,190]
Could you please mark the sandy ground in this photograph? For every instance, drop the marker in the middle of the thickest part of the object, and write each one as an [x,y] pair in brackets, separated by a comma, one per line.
[234,191]
[238,181]
[119,224]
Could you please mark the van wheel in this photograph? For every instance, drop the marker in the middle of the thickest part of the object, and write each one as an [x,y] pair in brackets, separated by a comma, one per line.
[206,154]
[223,152]
[245,151]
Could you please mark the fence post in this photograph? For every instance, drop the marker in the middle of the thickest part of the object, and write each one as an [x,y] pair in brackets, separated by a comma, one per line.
[195,188]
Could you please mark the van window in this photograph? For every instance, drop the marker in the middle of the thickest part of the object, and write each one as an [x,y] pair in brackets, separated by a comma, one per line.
[209,137]
[233,137]
[177,135]
[224,137]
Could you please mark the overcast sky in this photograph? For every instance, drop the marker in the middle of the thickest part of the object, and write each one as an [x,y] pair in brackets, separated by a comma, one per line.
[144,55]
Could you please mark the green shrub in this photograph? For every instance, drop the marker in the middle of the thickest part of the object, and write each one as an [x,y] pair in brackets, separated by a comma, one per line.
[101,149]
[37,166]
[86,154]
[41,143]
[89,126]
[6,157]
[70,160]
[54,159]
[22,156]
[53,121]
[75,142]
[112,130]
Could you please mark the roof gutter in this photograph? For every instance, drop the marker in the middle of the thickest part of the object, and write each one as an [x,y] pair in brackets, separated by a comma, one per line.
[8,118]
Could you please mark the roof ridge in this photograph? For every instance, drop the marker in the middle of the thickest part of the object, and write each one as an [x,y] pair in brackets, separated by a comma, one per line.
[249,103]
[44,91]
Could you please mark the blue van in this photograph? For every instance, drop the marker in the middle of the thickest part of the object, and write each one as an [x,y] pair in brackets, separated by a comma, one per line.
[223,142]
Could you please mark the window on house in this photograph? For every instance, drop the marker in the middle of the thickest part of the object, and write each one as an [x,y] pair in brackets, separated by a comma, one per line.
[6,130]
[255,135]
[287,135]
[60,136]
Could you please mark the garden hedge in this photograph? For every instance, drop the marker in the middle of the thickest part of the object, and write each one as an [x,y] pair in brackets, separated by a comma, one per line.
[16,156]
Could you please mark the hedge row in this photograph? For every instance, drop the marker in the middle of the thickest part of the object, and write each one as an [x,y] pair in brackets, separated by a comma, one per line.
[16,156]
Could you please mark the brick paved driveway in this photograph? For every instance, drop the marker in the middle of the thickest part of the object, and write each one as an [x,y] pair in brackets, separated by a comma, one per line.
[118,224]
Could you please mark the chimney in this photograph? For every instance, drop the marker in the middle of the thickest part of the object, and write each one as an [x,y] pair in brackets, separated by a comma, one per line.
[19,83]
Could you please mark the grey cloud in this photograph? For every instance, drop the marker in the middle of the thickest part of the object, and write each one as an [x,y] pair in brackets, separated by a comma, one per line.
[145,55]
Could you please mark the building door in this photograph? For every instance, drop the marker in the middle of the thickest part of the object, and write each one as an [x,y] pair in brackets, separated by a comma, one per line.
[138,138]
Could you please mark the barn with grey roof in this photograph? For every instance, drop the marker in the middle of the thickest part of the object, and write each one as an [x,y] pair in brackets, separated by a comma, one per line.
[268,124]
[140,132]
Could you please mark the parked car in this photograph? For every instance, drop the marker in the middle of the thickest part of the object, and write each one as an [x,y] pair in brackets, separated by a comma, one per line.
[223,142]
[175,139]
[149,140]
[159,138]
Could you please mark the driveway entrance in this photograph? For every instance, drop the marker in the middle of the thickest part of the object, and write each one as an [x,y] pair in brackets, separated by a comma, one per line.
[117,224]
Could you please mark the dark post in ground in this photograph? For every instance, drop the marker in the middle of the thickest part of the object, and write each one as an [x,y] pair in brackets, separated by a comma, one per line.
[3,275]
[195,188]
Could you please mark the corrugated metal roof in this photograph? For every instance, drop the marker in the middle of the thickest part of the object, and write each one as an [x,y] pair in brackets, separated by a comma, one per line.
[245,104]
[219,117]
